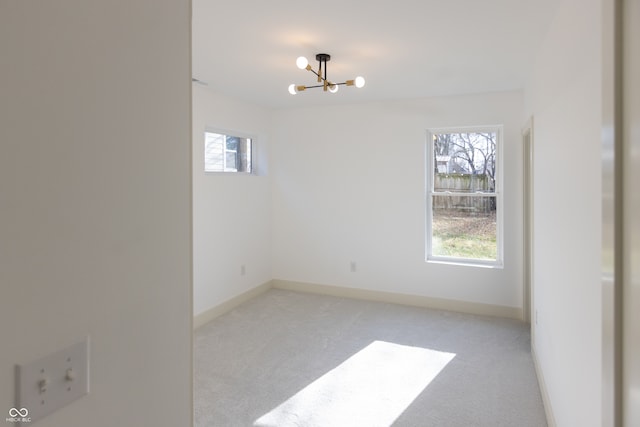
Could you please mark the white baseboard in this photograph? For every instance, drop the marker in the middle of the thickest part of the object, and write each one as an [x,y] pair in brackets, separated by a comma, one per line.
[548,410]
[404,299]
[228,305]
[363,294]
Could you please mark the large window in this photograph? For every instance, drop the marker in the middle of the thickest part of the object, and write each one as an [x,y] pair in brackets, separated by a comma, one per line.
[464,201]
[226,153]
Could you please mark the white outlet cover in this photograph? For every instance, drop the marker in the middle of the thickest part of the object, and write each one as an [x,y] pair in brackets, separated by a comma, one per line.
[66,379]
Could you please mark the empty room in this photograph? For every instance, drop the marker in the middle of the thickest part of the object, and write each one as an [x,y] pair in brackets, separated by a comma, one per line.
[313,194]
[218,213]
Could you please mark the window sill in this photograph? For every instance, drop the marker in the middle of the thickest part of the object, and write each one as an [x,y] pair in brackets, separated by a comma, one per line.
[466,262]
[227,173]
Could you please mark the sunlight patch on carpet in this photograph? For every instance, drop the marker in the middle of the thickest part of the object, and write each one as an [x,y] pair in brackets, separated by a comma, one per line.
[371,388]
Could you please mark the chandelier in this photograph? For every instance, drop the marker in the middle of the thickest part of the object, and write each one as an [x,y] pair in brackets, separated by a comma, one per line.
[321,74]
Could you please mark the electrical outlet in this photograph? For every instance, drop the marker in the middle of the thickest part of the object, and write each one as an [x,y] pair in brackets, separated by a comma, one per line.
[354,267]
[243,270]
[47,384]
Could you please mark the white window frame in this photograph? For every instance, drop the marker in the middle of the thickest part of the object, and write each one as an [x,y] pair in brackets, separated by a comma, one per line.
[232,134]
[498,194]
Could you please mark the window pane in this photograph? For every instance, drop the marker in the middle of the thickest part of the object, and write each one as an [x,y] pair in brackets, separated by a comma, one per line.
[464,162]
[224,153]
[232,143]
[231,161]
[213,152]
[244,151]
[464,227]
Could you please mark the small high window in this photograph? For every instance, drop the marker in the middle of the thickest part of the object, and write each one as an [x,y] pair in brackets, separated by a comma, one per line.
[464,201]
[226,153]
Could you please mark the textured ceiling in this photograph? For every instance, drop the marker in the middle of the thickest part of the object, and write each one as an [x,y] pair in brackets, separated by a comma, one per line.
[404,49]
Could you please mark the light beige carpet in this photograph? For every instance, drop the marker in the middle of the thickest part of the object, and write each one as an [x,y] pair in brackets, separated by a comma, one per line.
[293,359]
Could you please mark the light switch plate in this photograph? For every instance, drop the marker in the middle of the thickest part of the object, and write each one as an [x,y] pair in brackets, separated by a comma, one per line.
[47,384]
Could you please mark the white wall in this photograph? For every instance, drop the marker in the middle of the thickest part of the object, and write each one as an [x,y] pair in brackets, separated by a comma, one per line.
[631,261]
[564,96]
[232,213]
[95,209]
[349,185]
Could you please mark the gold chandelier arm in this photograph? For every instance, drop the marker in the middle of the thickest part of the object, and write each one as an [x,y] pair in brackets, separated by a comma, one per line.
[314,72]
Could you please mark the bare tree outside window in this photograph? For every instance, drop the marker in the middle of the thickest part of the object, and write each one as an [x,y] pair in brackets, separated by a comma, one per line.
[464,199]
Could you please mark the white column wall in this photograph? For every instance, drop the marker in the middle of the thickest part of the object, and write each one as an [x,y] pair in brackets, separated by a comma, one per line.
[631,261]
[565,97]
[95,202]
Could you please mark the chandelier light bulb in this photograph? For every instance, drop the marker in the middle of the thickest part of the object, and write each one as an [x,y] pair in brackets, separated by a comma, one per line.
[333,88]
[292,89]
[359,81]
[302,62]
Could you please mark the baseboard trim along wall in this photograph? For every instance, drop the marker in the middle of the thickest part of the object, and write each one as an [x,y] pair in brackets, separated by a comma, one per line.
[362,294]
[210,314]
[404,299]
[551,420]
